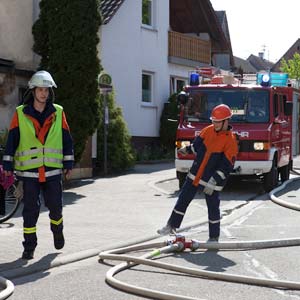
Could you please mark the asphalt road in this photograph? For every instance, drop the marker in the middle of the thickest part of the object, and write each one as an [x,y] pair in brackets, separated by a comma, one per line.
[136,205]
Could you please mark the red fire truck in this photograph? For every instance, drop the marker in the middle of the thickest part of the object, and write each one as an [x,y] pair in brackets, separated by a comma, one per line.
[265,118]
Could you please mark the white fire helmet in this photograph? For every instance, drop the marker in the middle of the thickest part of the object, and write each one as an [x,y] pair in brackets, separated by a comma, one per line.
[41,79]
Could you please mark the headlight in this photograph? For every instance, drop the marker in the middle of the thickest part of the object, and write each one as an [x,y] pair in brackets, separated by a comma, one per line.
[180,144]
[260,146]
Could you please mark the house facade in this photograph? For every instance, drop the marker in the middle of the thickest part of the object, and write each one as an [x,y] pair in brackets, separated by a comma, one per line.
[135,55]
[147,46]
[150,46]
[17,60]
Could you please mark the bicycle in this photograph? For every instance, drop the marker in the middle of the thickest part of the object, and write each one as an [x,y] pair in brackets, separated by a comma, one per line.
[8,201]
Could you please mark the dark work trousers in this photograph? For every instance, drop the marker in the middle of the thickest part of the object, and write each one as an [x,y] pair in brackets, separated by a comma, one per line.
[186,195]
[51,191]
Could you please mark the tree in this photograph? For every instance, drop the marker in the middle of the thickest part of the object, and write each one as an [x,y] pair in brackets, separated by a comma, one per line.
[292,67]
[120,154]
[169,123]
[66,38]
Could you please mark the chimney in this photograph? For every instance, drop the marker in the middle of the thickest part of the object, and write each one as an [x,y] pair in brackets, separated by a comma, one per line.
[261,55]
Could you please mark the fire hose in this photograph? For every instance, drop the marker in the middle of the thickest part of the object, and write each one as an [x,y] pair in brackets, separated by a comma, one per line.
[295,171]
[280,201]
[7,286]
[180,244]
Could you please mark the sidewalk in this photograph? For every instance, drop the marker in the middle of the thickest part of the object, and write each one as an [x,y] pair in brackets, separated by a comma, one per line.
[99,214]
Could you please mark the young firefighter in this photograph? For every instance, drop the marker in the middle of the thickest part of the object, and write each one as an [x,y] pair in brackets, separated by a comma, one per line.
[40,149]
[215,149]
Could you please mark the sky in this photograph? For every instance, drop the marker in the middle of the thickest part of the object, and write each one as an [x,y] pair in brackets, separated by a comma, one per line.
[267,26]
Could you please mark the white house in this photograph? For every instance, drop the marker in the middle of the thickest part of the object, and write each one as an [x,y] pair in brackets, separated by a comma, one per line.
[149,46]
[17,60]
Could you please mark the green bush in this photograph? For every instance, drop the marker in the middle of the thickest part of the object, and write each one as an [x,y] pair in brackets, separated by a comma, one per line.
[169,123]
[292,67]
[120,154]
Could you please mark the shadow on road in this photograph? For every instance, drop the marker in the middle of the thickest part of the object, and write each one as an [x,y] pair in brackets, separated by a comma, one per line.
[23,271]
[70,184]
[210,259]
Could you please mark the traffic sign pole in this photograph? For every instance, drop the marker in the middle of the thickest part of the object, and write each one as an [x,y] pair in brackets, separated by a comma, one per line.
[105,88]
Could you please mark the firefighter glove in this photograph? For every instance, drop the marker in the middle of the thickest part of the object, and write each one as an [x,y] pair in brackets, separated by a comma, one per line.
[183,150]
[210,186]
[18,193]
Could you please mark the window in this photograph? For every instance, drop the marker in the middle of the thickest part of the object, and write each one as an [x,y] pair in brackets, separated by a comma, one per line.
[281,103]
[247,106]
[275,103]
[179,85]
[176,85]
[285,105]
[147,87]
[147,12]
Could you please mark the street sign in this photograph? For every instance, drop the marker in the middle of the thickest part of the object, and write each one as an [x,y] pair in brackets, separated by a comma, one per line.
[105,90]
[104,82]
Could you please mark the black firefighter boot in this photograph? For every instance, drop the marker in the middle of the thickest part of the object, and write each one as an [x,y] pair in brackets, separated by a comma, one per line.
[29,244]
[59,240]
[28,254]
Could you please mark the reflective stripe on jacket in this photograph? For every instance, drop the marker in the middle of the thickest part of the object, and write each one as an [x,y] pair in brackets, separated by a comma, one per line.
[31,153]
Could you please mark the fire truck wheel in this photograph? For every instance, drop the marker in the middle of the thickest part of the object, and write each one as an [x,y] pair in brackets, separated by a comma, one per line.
[285,173]
[270,180]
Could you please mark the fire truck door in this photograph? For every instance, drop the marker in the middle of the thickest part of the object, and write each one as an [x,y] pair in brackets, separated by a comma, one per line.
[297,117]
[283,134]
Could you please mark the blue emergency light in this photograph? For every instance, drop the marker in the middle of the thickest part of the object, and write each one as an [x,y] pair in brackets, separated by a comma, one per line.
[265,80]
[194,79]
[272,79]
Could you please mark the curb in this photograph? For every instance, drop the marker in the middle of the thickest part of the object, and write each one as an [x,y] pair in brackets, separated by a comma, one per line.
[70,258]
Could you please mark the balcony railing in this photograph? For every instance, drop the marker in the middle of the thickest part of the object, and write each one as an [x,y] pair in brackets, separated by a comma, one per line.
[191,48]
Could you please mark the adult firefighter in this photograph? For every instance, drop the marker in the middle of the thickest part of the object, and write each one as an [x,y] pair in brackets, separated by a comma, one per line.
[40,149]
[216,150]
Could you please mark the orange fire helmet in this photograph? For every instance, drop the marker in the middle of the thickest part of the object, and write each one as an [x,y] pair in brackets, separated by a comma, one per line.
[221,112]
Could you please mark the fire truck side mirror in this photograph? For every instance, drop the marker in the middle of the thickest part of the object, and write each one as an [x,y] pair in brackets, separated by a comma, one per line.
[288,108]
[182,98]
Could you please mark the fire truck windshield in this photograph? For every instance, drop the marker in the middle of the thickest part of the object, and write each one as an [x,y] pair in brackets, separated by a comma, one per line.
[248,105]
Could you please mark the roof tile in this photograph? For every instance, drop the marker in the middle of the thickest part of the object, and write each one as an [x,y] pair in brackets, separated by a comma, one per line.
[108,8]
